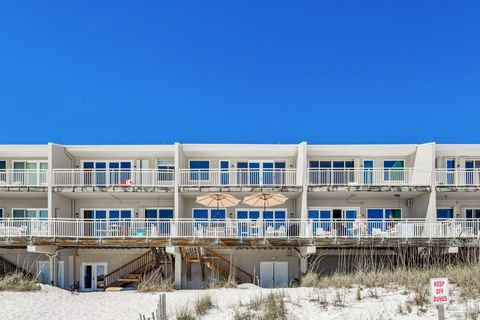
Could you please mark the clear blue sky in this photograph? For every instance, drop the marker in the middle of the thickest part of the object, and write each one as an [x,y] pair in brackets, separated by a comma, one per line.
[152,72]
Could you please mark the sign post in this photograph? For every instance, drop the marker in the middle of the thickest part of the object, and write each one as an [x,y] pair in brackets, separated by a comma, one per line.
[439,295]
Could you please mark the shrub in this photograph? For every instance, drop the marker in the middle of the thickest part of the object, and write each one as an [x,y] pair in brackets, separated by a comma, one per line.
[18,281]
[159,285]
[202,305]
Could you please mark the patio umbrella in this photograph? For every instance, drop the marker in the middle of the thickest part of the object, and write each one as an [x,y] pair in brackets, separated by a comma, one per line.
[265,200]
[217,200]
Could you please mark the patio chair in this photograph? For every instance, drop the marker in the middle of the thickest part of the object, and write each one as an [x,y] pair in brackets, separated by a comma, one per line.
[281,232]
[377,232]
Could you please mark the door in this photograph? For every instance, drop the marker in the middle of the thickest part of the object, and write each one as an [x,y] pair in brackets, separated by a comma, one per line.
[224,174]
[273,274]
[254,169]
[368,171]
[43,273]
[472,174]
[91,274]
[450,164]
[280,274]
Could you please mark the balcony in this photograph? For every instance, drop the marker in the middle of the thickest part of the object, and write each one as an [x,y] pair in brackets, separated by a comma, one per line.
[23,178]
[187,231]
[448,179]
[223,178]
[115,179]
[368,178]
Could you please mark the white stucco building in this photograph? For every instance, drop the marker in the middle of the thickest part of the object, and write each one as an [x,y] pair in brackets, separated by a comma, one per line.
[95,216]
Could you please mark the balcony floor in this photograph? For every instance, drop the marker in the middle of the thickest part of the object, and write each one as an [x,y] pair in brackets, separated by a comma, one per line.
[23,189]
[115,189]
[353,188]
[241,189]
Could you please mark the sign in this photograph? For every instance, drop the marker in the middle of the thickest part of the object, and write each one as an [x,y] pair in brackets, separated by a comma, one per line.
[439,290]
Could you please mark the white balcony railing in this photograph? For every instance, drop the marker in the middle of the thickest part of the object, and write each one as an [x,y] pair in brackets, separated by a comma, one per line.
[458,177]
[240,228]
[113,178]
[239,177]
[369,177]
[23,177]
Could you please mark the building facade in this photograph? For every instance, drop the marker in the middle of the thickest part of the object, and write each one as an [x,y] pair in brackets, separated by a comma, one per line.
[93,217]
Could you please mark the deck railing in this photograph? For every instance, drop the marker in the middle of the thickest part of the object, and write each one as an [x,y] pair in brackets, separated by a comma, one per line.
[458,177]
[23,177]
[239,177]
[239,228]
[113,178]
[369,177]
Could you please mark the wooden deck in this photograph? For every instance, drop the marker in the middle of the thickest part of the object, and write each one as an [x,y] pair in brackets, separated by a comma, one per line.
[236,243]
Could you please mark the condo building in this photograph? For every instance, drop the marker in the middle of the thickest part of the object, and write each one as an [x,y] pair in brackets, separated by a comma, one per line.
[94,217]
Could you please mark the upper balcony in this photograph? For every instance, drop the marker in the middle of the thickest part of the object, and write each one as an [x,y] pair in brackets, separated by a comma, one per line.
[228,179]
[458,179]
[115,180]
[23,179]
[369,179]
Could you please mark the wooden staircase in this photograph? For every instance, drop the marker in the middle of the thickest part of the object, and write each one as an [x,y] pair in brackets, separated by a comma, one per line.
[132,272]
[7,267]
[218,264]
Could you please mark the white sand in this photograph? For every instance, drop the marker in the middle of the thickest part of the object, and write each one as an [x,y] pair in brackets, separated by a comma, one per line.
[302,303]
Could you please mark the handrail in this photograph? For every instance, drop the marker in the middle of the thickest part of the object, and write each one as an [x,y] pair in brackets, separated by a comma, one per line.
[24,177]
[240,228]
[217,255]
[128,268]
[239,177]
[369,176]
[113,177]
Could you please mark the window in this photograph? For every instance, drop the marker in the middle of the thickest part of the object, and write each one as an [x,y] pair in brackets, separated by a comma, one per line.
[331,171]
[166,170]
[393,170]
[444,213]
[472,214]
[107,173]
[33,213]
[1,213]
[382,218]
[30,173]
[158,220]
[166,164]
[199,170]
[158,213]
[472,174]
[212,214]
[3,173]
[108,214]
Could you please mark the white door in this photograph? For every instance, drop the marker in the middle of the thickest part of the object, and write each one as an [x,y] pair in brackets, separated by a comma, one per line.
[91,273]
[273,274]
[266,274]
[43,276]
[280,273]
